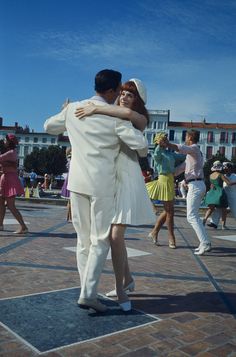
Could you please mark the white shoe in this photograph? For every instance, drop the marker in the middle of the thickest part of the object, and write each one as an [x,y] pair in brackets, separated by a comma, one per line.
[129,288]
[206,247]
[125,306]
[203,249]
[94,304]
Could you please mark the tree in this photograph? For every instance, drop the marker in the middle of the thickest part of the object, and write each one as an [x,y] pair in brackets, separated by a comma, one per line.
[31,161]
[51,160]
[55,160]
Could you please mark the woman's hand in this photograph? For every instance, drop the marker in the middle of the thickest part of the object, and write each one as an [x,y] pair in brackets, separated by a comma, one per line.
[87,110]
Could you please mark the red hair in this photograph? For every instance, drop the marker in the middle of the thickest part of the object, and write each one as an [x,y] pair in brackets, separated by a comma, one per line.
[138,104]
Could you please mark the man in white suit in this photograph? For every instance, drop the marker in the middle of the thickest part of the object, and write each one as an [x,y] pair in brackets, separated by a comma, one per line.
[95,142]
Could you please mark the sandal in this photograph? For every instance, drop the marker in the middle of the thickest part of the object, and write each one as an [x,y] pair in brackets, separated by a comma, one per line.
[172,244]
[21,231]
[153,238]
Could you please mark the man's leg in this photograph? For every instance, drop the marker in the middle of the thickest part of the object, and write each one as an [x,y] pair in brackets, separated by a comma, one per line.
[102,213]
[80,209]
[194,197]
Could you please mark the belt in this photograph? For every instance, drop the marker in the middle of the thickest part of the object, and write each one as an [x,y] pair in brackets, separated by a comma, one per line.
[196,179]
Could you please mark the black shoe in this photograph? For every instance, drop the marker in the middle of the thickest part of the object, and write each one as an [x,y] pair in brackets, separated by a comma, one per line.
[212,225]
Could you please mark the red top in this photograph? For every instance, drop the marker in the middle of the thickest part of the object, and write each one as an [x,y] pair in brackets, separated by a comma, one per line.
[8,161]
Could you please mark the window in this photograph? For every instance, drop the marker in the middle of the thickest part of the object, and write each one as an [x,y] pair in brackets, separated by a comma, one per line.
[233,138]
[184,135]
[160,125]
[224,137]
[154,125]
[149,138]
[36,140]
[44,140]
[26,139]
[26,150]
[19,138]
[172,135]
[210,137]
[209,152]
[222,150]
[53,140]
[233,152]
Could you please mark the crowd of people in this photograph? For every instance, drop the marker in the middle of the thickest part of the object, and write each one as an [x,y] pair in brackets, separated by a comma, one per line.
[106,189]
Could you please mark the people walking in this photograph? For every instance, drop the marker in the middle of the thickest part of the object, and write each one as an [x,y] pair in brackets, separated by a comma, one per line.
[95,143]
[10,185]
[216,197]
[231,196]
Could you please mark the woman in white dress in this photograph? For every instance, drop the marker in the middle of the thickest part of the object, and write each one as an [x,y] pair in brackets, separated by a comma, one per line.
[133,206]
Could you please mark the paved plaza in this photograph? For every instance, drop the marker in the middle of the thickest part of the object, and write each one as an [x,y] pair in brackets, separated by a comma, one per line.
[183,305]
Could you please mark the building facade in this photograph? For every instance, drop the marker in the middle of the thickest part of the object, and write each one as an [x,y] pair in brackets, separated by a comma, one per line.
[214,137]
[29,140]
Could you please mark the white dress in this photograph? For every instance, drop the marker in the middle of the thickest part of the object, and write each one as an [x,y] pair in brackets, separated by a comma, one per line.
[133,205]
[231,194]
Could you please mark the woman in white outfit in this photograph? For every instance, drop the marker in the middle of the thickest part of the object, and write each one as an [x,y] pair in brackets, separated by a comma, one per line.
[133,206]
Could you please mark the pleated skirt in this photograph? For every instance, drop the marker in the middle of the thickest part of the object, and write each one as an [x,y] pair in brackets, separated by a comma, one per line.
[162,189]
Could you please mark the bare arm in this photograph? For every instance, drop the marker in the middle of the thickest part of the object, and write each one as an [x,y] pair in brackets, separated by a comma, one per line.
[138,120]
[172,146]
[227,181]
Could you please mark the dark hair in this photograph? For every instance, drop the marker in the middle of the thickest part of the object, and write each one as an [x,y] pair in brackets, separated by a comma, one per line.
[11,142]
[194,135]
[138,104]
[107,79]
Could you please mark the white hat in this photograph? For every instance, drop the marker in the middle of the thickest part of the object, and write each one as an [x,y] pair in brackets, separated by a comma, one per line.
[140,88]
[227,164]
[217,166]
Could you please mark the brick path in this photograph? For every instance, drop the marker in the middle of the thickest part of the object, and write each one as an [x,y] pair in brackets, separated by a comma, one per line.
[193,298]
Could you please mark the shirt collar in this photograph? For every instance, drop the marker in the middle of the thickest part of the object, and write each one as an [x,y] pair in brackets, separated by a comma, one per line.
[97,97]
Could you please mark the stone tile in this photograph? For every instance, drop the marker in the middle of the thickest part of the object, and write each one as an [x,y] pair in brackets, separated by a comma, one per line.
[195,348]
[227,350]
[172,285]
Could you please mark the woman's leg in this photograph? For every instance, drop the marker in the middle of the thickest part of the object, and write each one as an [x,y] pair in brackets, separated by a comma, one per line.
[169,208]
[159,223]
[119,256]
[69,216]
[127,276]
[208,213]
[223,217]
[16,213]
[2,210]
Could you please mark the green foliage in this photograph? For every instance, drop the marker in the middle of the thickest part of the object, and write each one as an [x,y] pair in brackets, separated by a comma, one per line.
[51,160]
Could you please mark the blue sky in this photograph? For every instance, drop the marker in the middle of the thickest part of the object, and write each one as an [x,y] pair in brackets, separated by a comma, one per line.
[183,50]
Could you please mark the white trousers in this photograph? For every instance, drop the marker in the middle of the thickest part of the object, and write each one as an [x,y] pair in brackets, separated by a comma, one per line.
[91,217]
[196,192]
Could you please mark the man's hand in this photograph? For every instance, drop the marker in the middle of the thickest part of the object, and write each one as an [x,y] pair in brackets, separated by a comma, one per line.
[87,110]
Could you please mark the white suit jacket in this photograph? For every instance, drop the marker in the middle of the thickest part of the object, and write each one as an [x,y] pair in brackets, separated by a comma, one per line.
[95,142]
